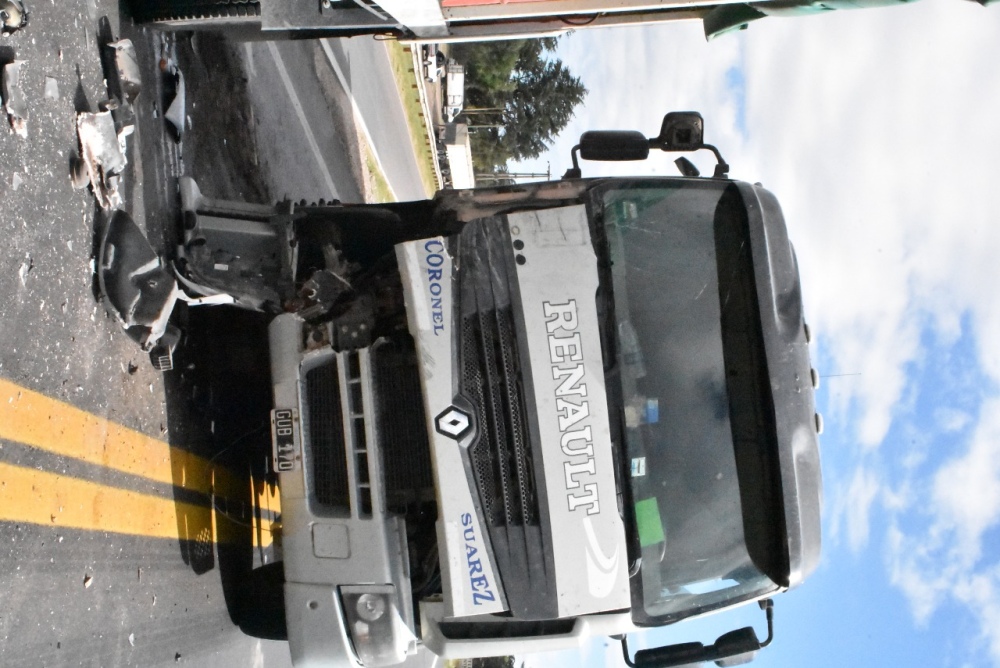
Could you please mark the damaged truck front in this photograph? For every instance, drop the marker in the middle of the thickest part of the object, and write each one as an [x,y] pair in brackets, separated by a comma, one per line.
[509,419]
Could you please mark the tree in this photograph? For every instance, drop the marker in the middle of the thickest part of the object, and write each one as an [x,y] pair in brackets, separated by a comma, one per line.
[533,94]
[494,662]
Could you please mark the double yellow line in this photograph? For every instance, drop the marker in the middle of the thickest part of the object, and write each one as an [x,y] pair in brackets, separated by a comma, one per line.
[48,498]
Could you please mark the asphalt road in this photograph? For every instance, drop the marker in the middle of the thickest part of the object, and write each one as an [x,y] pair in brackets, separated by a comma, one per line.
[364,63]
[134,505]
[302,93]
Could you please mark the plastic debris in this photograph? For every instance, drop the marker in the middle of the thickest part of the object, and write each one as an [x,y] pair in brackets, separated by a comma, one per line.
[138,289]
[121,78]
[87,581]
[14,101]
[102,155]
[51,88]
[131,639]
[176,113]
[13,17]
[127,66]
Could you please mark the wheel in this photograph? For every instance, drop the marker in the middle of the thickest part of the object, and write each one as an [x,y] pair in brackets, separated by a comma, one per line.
[262,605]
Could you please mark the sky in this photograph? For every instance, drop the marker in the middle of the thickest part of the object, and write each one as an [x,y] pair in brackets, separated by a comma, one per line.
[879,132]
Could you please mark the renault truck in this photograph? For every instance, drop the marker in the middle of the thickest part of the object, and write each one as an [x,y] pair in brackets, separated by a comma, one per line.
[510,419]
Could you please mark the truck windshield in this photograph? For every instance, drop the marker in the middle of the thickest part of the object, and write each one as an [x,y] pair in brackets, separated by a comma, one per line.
[691,367]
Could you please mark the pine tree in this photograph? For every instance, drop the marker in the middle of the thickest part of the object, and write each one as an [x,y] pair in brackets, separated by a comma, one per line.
[534,96]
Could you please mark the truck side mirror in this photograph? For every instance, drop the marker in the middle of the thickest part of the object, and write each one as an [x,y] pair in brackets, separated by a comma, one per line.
[681,131]
[730,649]
[614,145]
[608,146]
[737,647]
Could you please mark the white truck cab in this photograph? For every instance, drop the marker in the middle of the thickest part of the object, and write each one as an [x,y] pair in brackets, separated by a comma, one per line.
[509,419]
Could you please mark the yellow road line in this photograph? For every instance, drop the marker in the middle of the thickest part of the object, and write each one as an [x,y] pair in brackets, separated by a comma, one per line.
[40,497]
[51,425]
[265,500]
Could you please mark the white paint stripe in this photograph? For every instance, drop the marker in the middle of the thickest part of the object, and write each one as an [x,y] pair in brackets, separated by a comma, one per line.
[249,58]
[258,655]
[358,118]
[300,112]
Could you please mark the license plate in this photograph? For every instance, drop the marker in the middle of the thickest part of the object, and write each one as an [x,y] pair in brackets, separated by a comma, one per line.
[285,439]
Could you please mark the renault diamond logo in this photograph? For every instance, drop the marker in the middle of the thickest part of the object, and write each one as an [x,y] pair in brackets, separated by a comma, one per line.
[454,423]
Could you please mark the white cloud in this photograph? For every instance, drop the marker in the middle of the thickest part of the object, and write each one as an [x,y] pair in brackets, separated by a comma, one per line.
[929,579]
[951,419]
[853,505]
[966,490]
[907,571]
[981,593]
[941,556]
[860,495]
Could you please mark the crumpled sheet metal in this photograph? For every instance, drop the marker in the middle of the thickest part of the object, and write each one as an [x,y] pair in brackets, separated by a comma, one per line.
[138,288]
[103,156]
[14,102]
[127,65]
[176,113]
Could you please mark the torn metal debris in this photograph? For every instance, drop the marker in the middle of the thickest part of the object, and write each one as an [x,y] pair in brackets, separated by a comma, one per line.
[102,155]
[127,68]
[138,289]
[14,101]
[121,78]
[177,113]
[13,16]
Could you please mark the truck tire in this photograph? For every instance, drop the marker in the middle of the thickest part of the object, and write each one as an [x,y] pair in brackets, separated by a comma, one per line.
[196,13]
[262,604]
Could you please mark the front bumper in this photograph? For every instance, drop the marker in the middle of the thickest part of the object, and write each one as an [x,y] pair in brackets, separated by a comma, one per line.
[317,632]
[336,530]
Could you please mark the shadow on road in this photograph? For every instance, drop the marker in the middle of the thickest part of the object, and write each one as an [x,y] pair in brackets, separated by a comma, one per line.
[219,401]
[218,397]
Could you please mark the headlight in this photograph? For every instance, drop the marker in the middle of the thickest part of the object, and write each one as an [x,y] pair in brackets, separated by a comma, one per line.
[371,607]
[379,635]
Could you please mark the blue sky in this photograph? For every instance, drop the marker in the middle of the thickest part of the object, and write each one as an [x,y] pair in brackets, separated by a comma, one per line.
[878,131]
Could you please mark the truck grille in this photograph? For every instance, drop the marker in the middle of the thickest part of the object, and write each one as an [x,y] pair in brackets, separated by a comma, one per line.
[406,456]
[501,458]
[338,451]
[327,453]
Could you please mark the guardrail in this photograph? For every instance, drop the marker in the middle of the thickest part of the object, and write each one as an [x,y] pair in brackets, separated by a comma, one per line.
[420,85]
